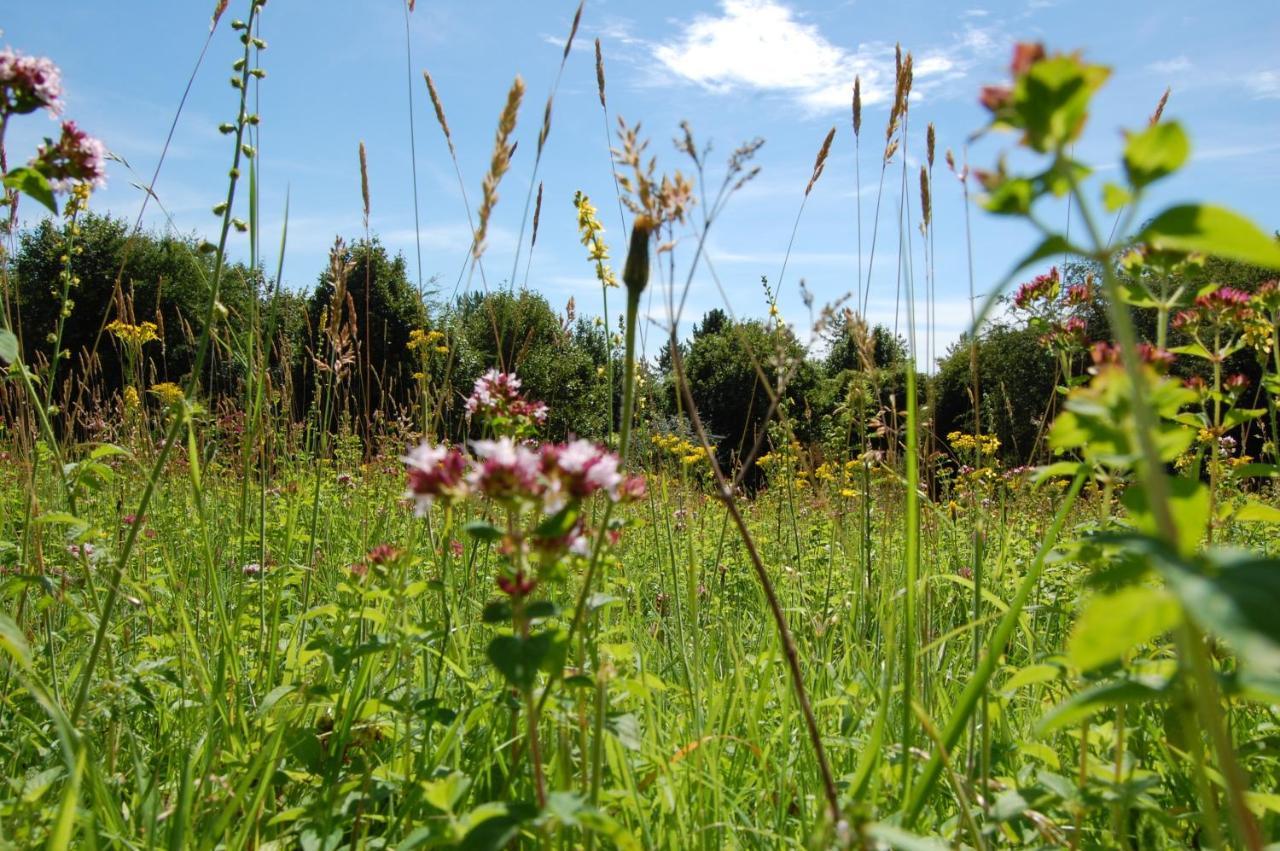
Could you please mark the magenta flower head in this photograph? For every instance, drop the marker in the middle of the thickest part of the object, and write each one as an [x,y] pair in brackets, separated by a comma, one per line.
[578,469]
[75,158]
[435,472]
[28,83]
[1040,288]
[506,471]
[496,395]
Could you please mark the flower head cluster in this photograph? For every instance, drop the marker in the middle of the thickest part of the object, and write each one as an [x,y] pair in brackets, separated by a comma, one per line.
[435,472]
[518,474]
[134,335]
[168,393]
[75,158]
[426,342]
[685,450]
[590,229]
[28,83]
[1224,306]
[1107,354]
[974,444]
[1041,288]
[496,396]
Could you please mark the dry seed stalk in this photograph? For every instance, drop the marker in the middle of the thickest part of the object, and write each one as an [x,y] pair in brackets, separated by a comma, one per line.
[537,216]
[926,205]
[498,165]
[821,160]
[600,74]
[857,106]
[364,184]
[1164,99]
[930,140]
[573,30]
[439,107]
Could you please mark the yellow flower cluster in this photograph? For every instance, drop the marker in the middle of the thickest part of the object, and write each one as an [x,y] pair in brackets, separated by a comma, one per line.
[426,342]
[589,228]
[168,393]
[134,335]
[677,447]
[983,444]
[839,476]
[131,400]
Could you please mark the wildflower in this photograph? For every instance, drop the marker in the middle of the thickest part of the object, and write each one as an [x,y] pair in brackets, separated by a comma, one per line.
[1237,382]
[517,585]
[382,554]
[1040,288]
[28,83]
[455,547]
[134,335]
[251,569]
[579,469]
[75,158]
[507,471]
[79,550]
[131,400]
[168,393]
[1079,294]
[632,489]
[497,394]
[434,472]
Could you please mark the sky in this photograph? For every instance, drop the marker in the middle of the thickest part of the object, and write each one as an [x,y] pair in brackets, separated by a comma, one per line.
[342,72]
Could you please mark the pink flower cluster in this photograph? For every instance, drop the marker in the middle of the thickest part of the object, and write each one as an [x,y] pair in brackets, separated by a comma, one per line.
[28,83]
[1040,288]
[75,158]
[497,394]
[515,473]
[1225,305]
[1107,354]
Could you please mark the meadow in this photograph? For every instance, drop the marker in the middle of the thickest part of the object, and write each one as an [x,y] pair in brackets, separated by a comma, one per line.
[267,590]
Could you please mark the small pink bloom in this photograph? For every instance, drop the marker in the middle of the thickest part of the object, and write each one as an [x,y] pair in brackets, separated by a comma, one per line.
[435,472]
[28,83]
[506,471]
[75,158]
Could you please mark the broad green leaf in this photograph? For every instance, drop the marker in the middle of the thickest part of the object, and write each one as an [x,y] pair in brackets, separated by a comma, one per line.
[8,346]
[900,840]
[1257,512]
[1114,197]
[1188,504]
[482,531]
[1113,624]
[1240,416]
[519,659]
[1085,704]
[1214,231]
[13,642]
[1155,152]
[34,185]
[444,793]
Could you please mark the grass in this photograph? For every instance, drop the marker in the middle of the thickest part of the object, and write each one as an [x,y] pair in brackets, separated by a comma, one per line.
[251,637]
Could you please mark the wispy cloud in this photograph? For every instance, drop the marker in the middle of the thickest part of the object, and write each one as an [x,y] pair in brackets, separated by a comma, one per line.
[1176,65]
[1264,84]
[765,46]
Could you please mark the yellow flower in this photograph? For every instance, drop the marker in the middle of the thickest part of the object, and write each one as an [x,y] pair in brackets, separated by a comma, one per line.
[134,335]
[131,400]
[168,393]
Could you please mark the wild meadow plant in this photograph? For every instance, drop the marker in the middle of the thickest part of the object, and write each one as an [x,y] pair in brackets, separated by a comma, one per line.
[305,619]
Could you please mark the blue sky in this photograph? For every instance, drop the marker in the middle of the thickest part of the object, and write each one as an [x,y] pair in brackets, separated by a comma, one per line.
[736,69]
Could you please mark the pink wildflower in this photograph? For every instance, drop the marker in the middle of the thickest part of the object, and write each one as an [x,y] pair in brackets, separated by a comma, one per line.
[435,472]
[507,471]
[28,83]
[75,158]
[578,469]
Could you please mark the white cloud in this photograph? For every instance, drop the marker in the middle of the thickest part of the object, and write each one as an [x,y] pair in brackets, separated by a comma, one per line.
[1264,84]
[763,45]
[1171,66]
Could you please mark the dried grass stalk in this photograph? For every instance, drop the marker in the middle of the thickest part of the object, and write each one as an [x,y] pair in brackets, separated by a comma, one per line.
[503,150]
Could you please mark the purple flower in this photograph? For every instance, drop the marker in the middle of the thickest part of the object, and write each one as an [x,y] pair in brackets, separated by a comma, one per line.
[435,472]
[507,471]
[28,83]
[75,158]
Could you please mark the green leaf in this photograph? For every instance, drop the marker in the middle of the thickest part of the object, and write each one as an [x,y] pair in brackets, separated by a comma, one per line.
[34,185]
[900,840]
[1188,504]
[519,659]
[1085,704]
[1212,230]
[497,832]
[13,642]
[482,531]
[1113,624]
[8,346]
[1240,416]
[559,524]
[1156,152]
[1257,512]
[496,611]
[444,793]
[1114,197]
